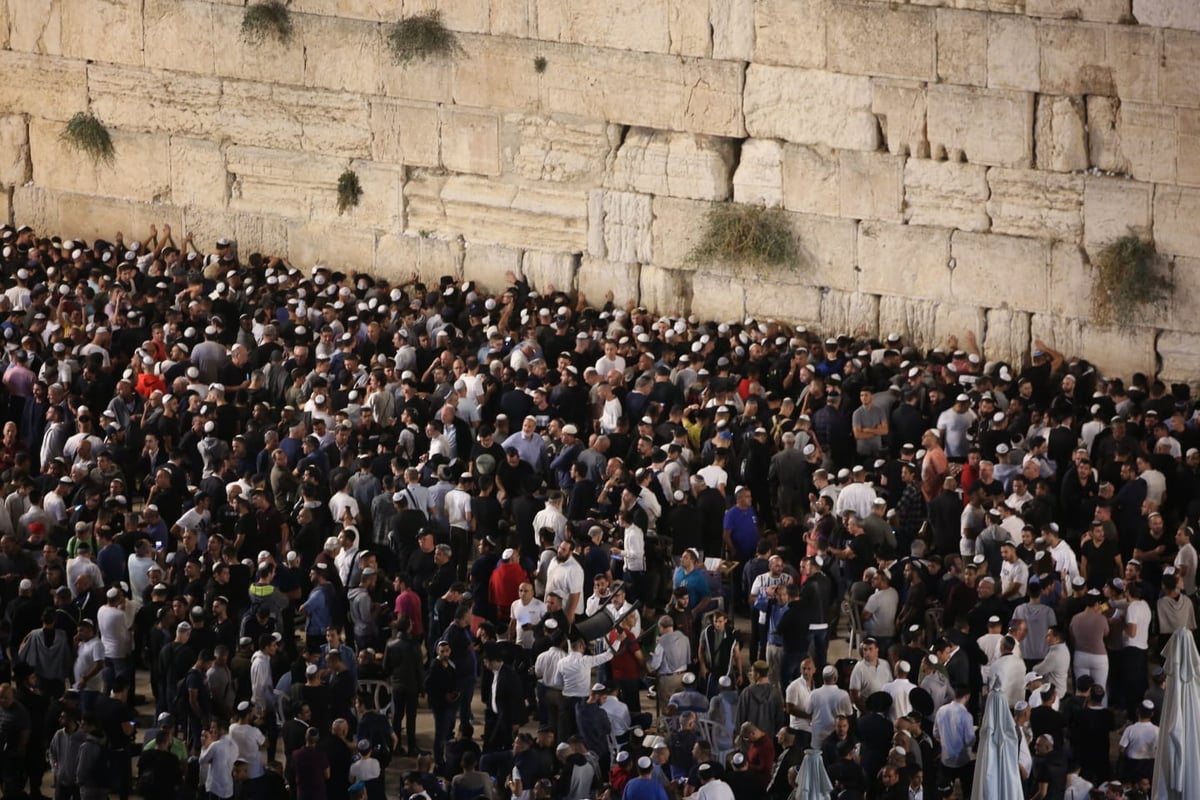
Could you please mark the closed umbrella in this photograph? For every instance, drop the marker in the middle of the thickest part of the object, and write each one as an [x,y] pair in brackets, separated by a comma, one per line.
[1176,767]
[813,781]
[997,775]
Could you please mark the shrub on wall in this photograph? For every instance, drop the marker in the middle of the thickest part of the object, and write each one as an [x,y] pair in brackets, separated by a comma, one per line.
[349,191]
[269,19]
[422,37]
[741,234]
[1130,275]
[87,134]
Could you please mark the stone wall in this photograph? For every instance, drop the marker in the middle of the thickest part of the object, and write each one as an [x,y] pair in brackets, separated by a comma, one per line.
[948,164]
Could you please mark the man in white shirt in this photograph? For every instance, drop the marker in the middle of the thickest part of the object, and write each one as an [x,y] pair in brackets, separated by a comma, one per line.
[249,740]
[1066,563]
[524,615]
[575,674]
[218,752]
[89,664]
[899,689]
[551,517]
[879,612]
[798,699]
[827,704]
[618,713]
[348,542]
[564,577]
[856,496]
[1010,671]
[1014,574]
[1186,560]
[1139,743]
[115,635]
[869,675]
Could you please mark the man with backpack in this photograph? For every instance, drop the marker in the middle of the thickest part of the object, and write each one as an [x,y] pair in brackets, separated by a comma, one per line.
[91,769]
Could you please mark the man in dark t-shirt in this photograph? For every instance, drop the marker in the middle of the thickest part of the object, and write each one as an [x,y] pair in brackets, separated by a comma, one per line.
[311,767]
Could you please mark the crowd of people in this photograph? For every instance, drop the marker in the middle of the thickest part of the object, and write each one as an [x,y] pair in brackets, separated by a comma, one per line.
[281,512]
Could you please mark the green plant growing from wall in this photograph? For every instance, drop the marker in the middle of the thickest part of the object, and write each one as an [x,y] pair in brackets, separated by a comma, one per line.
[1130,276]
[421,37]
[349,191]
[268,19]
[87,134]
[539,64]
[742,234]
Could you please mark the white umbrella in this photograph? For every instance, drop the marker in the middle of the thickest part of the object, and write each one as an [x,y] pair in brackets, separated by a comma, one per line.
[997,776]
[1176,775]
[813,781]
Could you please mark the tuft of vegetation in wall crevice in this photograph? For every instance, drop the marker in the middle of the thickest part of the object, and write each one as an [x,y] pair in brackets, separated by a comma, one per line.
[1130,277]
[269,19]
[87,134]
[422,37]
[740,234]
[349,191]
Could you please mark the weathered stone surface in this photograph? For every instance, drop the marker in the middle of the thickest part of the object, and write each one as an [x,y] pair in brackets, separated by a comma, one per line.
[983,126]
[375,10]
[677,227]
[1181,61]
[1072,59]
[405,133]
[962,47]
[430,79]
[1134,54]
[1113,351]
[33,26]
[148,100]
[767,298]
[168,23]
[58,166]
[512,17]
[1168,14]
[470,140]
[732,24]
[103,30]
[1007,337]
[282,182]
[312,243]
[558,149]
[1138,139]
[470,16]
[1003,271]
[1060,139]
[827,250]
[1181,306]
[269,60]
[903,260]
[6,204]
[197,173]
[91,217]
[340,54]
[896,42]
[870,185]
[36,207]
[1070,282]
[1176,211]
[488,265]
[946,193]
[810,107]
[623,24]
[1179,357]
[30,81]
[292,118]
[14,150]
[810,179]
[900,108]
[715,297]
[1092,10]
[549,272]
[1113,207]
[400,257]
[790,32]
[596,277]
[1188,164]
[665,291]
[1013,60]
[625,219]
[759,176]
[1027,202]
[260,232]
[486,211]
[926,323]
[675,164]
[849,311]
[382,201]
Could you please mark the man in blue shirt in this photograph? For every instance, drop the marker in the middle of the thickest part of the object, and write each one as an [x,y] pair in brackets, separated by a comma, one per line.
[691,574]
[741,526]
[318,608]
[644,787]
[954,728]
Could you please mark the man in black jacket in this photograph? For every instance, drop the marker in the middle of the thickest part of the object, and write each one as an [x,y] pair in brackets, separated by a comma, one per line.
[404,668]
[503,698]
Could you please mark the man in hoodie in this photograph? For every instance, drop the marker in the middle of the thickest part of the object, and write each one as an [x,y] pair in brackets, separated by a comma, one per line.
[90,764]
[263,594]
[262,689]
[64,754]
[761,703]
[362,611]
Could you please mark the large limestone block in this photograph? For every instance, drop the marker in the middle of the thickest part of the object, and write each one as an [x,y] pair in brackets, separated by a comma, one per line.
[489,264]
[849,311]
[675,164]
[269,60]
[549,272]
[405,132]
[895,41]
[790,32]
[962,47]
[677,228]
[37,208]
[1188,121]
[153,100]
[597,277]
[1029,202]
[870,185]
[1072,59]
[1182,303]
[624,24]
[665,291]
[1138,139]
[292,118]
[88,217]
[900,108]
[1176,211]
[399,257]
[1134,53]
[179,35]
[341,54]
[1168,14]
[54,88]
[928,323]
[759,176]
[374,10]
[431,79]
[1007,337]
[1181,63]
[624,219]
[1013,59]
[198,175]
[282,181]
[6,205]
[1060,137]
[512,18]
[827,250]
[810,179]
[486,211]
[382,201]
[904,260]
[470,140]
[108,31]
[1000,271]
[14,150]
[1113,351]
[732,24]
[1113,207]
[1071,281]
[983,126]
[311,243]
[469,16]
[58,166]
[767,298]
[717,298]
[946,193]
[1091,10]
[810,107]
[260,232]
[558,149]
[32,26]
[1179,357]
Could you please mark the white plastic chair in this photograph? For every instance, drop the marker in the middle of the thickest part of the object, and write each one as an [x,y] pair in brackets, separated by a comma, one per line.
[378,690]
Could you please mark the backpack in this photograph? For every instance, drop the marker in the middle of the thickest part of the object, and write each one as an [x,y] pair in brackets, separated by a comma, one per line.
[104,772]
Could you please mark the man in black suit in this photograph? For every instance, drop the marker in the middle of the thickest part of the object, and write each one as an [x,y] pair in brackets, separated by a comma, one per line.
[504,700]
